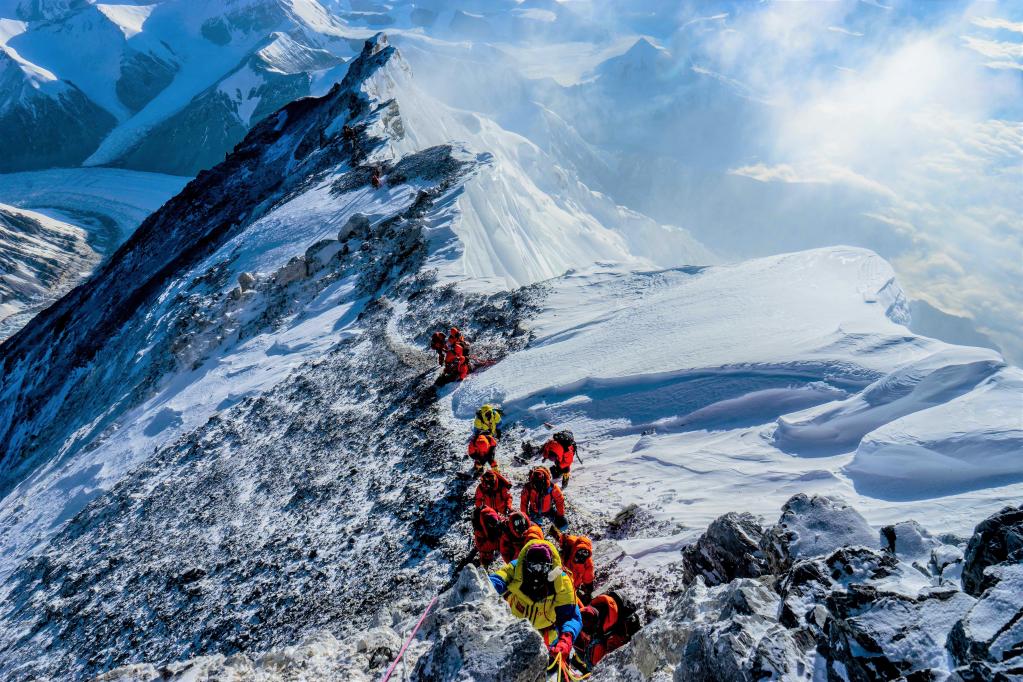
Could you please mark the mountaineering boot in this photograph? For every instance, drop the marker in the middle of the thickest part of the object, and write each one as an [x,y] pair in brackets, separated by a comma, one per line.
[564,481]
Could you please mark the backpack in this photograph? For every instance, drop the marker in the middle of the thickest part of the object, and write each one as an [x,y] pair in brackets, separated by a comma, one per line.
[565,439]
[628,616]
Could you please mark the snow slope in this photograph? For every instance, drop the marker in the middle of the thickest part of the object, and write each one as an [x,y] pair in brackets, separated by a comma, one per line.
[697,391]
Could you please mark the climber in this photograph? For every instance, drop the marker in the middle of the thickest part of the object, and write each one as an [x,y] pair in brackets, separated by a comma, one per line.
[486,533]
[536,588]
[438,342]
[456,365]
[494,491]
[560,450]
[374,178]
[456,338]
[517,531]
[542,498]
[483,451]
[488,421]
[348,132]
[577,558]
[609,622]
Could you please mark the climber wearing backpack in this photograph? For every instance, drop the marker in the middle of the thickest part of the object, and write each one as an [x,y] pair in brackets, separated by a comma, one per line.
[486,533]
[488,421]
[483,451]
[494,491]
[438,342]
[536,588]
[456,365]
[517,531]
[542,498]
[456,338]
[560,450]
[609,622]
[577,558]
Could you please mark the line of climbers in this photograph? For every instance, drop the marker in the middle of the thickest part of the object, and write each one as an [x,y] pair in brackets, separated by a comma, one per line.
[550,582]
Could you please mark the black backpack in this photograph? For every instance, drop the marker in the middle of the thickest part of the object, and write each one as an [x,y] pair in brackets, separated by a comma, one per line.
[628,615]
[565,439]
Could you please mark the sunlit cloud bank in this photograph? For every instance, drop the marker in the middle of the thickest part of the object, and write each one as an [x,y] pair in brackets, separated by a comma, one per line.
[920,111]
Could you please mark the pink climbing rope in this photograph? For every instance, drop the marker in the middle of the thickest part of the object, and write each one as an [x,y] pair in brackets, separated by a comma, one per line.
[387,675]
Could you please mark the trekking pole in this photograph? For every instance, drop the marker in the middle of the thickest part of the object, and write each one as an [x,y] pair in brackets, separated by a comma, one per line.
[401,652]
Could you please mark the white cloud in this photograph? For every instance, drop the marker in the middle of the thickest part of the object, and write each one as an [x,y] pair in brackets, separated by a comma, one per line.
[922,124]
[998,23]
[845,31]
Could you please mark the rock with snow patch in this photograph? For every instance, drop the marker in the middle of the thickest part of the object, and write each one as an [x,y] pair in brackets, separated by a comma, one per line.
[998,539]
[814,526]
[357,226]
[878,635]
[246,281]
[477,638]
[727,632]
[295,270]
[729,549]
[320,254]
[992,631]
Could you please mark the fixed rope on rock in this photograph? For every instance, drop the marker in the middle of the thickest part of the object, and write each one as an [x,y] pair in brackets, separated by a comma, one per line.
[401,652]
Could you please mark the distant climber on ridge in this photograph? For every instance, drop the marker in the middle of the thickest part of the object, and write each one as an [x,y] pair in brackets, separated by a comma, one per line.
[577,559]
[536,588]
[517,531]
[486,533]
[609,622]
[488,421]
[482,451]
[560,450]
[542,498]
[494,490]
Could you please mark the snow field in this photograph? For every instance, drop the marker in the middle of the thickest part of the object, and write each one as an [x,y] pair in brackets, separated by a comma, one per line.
[693,393]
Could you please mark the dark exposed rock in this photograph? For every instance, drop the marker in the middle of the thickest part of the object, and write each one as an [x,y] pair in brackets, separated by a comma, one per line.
[878,635]
[997,539]
[992,631]
[729,549]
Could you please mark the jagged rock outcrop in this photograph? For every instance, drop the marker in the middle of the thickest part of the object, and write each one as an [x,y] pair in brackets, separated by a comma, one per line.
[881,635]
[727,632]
[929,555]
[814,526]
[729,549]
[992,631]
[475,637]
[997,539]
[841,607]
